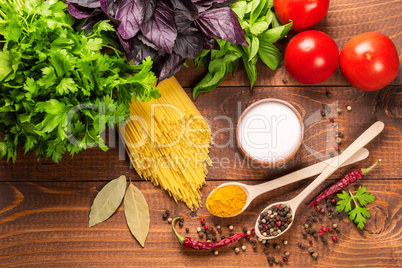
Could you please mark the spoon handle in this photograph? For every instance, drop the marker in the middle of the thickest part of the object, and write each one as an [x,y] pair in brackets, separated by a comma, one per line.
[359,143]
[301,174]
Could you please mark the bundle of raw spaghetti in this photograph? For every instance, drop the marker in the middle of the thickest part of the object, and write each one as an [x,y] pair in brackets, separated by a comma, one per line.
[168,142]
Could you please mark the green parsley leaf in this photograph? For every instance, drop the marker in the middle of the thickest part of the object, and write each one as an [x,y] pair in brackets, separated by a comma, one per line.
[359,214]
[59,91]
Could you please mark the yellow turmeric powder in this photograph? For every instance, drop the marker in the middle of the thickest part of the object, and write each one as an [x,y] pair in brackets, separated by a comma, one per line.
[227,201]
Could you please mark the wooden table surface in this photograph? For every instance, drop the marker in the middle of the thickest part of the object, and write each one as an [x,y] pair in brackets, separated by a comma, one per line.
[44,206]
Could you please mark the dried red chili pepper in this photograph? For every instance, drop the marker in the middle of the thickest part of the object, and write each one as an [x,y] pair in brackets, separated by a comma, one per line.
[191,243]
[345,181]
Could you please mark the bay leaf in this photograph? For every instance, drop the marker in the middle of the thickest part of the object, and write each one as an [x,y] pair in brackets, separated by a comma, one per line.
[137,213]
[107,200]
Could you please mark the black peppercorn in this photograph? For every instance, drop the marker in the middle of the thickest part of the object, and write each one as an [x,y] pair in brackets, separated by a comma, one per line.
[180,224]
[164,216]
[244,229]
[187,230]
[214,239]
[231,234]
[213,232]
[223,237]
[255,247]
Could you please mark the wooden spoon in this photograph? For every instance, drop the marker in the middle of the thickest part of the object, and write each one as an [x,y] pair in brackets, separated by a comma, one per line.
[253,191]
[293,204]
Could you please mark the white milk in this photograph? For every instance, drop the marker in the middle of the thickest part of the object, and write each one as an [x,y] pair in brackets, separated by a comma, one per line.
[270,131]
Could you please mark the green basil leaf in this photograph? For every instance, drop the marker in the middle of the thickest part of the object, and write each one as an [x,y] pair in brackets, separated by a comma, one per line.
[270,3]
[107,200]
[269,16]
[137,214]
[258,27]
[269,54]
[212,79]
[275,21]
[251,69]
[256,8]
[275,34]
[239,8]
[255,44]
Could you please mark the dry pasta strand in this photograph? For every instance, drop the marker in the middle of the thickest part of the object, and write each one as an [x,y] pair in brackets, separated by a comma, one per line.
[168,142]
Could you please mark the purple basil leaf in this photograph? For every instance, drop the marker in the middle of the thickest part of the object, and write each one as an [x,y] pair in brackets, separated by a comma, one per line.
[190,11]
[223,24]
[124,43]
[188,44]
[96,16]
[145,40]
[160,29]
[204,5]
[211,43]
[78,11]
[110,6]
[139,51]
[149,7]
[131,15]
[172,65]
[182,22]
[86,3]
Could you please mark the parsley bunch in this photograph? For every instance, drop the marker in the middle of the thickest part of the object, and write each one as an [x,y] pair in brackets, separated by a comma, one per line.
[58,91]
[359,214]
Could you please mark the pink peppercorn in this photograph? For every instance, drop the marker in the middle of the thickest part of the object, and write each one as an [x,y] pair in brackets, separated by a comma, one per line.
[205,227]
[278,223]
[265,226]
[278,218]
[334,238]
[278,206]
[320,233]
[324,229]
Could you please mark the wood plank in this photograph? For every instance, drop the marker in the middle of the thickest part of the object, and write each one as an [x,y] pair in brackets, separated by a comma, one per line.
[222,109]
[46,224]
[345,19]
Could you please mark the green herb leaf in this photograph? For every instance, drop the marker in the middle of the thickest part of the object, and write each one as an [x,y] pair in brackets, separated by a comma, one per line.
[269,54]
[359,214]
[240,9]
[52,77]
[255,44]
[251,69]
[137,214]
[107,200]
[255,18]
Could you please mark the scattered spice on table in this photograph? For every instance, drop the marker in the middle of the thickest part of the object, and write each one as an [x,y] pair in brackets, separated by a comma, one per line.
[345,181]
[188,242]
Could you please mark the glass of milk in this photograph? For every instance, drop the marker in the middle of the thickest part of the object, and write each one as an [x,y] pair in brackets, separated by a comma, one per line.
[269,132]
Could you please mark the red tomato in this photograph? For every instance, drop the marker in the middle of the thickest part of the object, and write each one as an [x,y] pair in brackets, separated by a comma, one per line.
[311,57]
[304,13]
[369,61]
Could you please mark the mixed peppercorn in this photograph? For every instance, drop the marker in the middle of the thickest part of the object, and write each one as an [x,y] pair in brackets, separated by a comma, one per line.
[275,220]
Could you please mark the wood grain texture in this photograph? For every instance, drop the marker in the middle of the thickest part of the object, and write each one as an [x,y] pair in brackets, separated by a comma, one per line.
[44,206]
[32,233]
[222,108]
